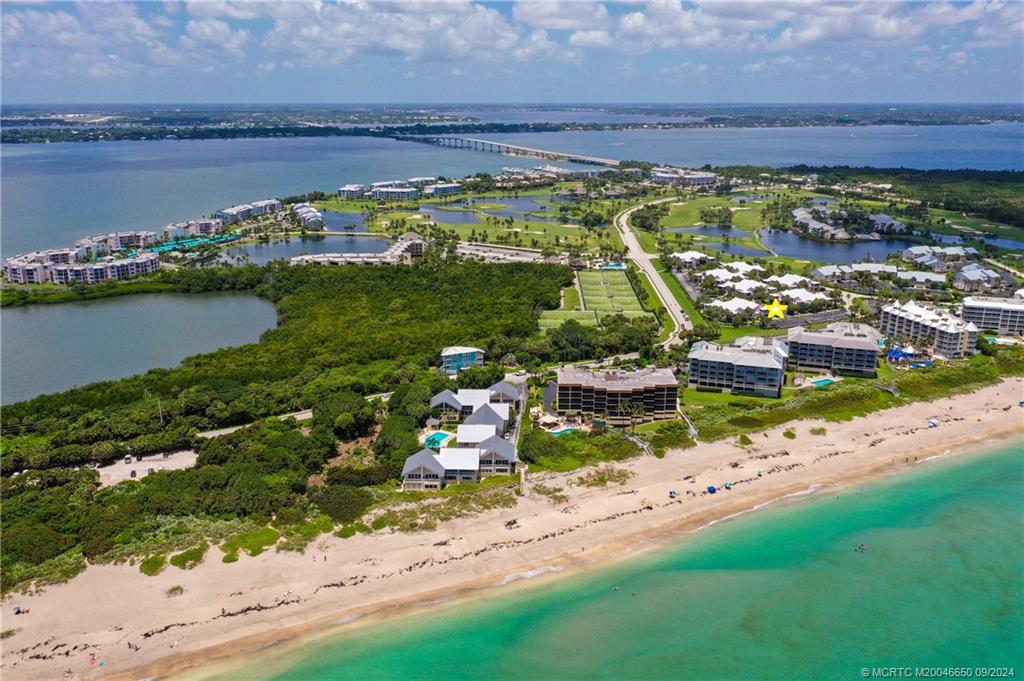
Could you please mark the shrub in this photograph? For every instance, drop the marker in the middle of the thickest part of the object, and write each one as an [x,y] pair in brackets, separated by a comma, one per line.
[789,434]
[745,440]
[189,558]
[343,503]
[819,430]
[604,475]
[153,565]
[175,590]
[253,543]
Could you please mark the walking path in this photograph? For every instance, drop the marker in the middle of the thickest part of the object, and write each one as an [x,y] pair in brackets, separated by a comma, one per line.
[637,254]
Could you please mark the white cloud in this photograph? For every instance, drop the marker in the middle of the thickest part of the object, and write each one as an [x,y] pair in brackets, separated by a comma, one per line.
[755,67]
[591,39]
[552,15]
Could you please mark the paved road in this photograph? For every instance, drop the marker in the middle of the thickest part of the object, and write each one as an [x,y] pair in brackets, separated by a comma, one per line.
[643,259]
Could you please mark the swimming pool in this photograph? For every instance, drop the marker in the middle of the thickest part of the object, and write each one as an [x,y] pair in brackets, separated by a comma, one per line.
[435,440]
[822,382]
[612,266]
[564,431]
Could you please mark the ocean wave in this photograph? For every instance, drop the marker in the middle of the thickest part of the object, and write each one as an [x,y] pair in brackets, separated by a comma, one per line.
[529,574]
[792,495]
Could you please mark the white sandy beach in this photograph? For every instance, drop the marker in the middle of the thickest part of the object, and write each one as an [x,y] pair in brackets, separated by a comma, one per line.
[231,608]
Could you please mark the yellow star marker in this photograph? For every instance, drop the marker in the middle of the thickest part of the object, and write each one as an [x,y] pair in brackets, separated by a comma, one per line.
[776,309]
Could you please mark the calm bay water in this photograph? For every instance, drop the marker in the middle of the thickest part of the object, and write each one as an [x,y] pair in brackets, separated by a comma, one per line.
[797,246]
[986,147]
[48,348]
[55,193]
[261,254]
[781,593]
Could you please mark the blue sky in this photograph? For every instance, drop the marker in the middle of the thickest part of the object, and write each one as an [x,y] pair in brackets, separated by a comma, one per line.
[532,51]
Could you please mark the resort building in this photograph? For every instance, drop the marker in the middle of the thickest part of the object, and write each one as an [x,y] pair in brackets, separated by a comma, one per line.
[190,228]
[884,223]
[691,258]
[235,214]
[456,358]
[790,281]
[429,470]
[351,191]
[470,435]
[442,189]
[265,207]
[408,246]
[88,262]
[394,193]
[420,181]
[976,277]
[1002,315]
[846,272]
[802,296]
[949,336]
[613,395]
[107,268]
[922,279]
[841,348]
[750,366]
[307,215]
[680,176]
[736,306]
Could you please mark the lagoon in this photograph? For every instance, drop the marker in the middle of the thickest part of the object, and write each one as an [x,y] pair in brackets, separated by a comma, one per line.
[50,348]
[800,247]
[261,254]
[781,593]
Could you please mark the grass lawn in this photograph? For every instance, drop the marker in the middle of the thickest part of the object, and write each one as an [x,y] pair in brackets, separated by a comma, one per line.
[648,240]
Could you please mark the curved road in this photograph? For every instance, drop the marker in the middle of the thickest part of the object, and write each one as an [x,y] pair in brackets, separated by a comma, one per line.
[643,259]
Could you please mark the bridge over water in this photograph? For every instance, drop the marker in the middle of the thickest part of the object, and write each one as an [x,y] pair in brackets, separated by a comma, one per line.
[459,142]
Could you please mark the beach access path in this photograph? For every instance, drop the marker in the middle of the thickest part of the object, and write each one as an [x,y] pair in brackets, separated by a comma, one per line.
[230,611]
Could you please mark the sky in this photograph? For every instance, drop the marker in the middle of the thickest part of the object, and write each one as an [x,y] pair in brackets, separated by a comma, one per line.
[357,51]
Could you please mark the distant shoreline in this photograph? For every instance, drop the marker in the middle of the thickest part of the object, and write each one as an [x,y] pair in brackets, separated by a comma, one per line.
[38,134]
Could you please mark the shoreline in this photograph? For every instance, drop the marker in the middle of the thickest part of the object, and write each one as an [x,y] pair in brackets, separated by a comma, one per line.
[606,556]
[467,558]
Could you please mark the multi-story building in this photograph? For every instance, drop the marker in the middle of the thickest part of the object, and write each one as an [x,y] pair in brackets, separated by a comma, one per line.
[428,470]
[307,215]
[948,335]
[442,189]
[750,366]
[265,207]
[394,193]
[105,269]
[457,357]
[842,348]
[1003,315]
[409,245]
[351,191]
[235,214]
[189,228]
[420,181]
[24,269]
[619,397]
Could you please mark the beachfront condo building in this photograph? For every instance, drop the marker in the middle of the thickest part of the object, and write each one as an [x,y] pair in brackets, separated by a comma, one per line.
[841,348]
[618,397]
[307,215]
[230,216]
[949,336]
[749,366]
[265,207]
[420,181]
[351,191]
[394,193]
[106,269]
[191,228]
[455,358]
[427,470]
[442,189]
[1002,315]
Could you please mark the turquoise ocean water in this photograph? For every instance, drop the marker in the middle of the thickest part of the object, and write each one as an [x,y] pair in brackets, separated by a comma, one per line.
[778,594]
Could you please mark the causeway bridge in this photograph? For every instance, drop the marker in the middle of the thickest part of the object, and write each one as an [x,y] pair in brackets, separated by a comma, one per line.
[459,142]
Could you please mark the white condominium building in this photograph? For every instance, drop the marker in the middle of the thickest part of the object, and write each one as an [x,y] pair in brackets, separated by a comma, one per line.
[1003,315]
[948,335]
